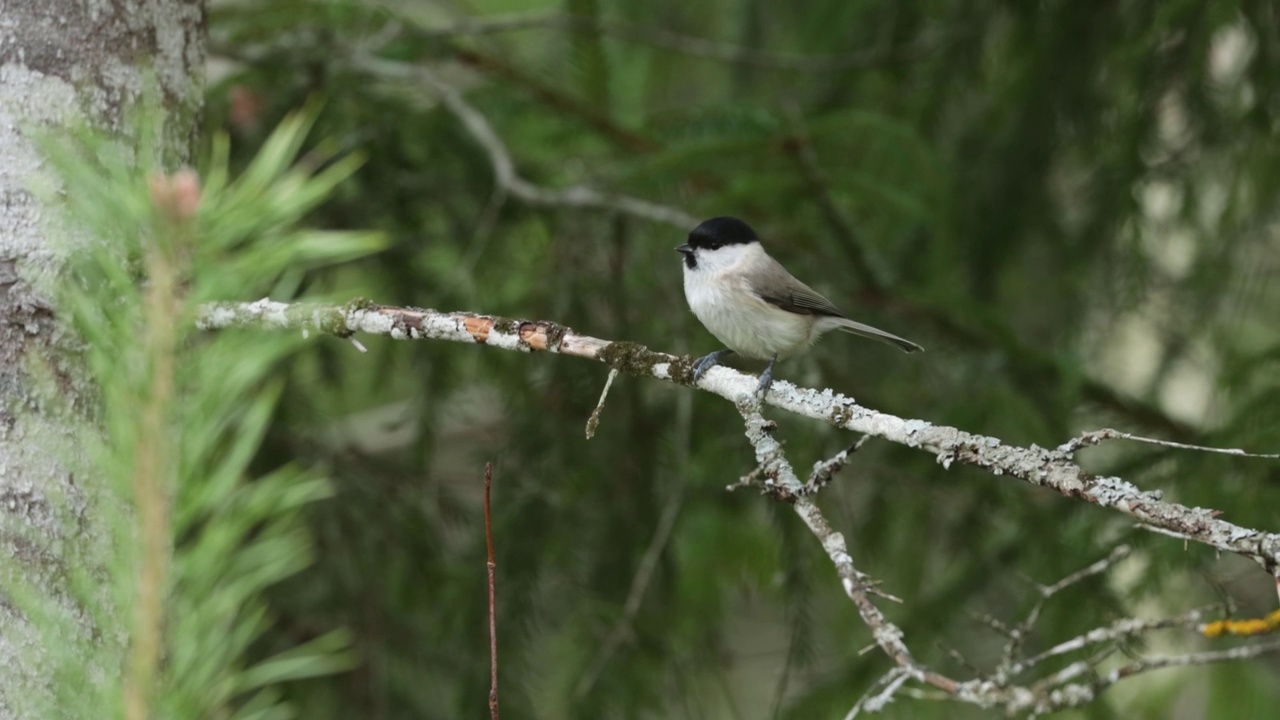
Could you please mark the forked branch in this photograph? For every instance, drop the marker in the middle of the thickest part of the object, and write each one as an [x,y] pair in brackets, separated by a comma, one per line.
[1073,685]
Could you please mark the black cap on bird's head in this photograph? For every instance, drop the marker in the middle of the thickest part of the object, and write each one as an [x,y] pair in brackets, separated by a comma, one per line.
[717,233]
[721,231]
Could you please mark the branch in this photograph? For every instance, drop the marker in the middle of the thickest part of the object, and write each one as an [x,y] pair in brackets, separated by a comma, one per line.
[511,71]
[1042,467]
[1008,665]
[884,689]
[1048,468]
[1096,437]
[825,470]
[1251,626]
[677,42]
[781,480]
[493,622]
[1116,631]
[504,169]
[1077,694]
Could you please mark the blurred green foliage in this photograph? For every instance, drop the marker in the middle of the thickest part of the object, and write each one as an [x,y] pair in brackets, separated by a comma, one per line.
[1069,203]
[181,416]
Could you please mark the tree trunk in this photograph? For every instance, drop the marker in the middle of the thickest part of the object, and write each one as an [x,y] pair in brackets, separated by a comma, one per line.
[63,63]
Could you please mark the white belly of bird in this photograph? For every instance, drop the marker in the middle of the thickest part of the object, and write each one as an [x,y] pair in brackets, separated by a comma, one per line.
[743,322]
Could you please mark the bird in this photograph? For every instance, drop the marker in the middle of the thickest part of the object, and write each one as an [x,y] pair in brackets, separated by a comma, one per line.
[752,305]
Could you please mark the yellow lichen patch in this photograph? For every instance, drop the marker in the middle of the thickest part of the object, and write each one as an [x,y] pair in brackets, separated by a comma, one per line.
[1255,626]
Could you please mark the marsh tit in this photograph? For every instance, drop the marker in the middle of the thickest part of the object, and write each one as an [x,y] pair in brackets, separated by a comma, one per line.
[752,304]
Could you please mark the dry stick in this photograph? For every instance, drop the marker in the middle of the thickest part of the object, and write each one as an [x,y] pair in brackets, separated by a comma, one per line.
[593,422]
[493,623]
[1041,467]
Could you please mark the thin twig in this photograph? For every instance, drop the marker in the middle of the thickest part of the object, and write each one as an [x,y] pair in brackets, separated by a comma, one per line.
[1045,686]
[1118,553]
[751,478]
[1118,630]
[1018,634]
[1095,437]
[1077,694]
[825,470]
[493,621]
[880,693]
[992,623]
[1242,652]
[593,422]
[494,24]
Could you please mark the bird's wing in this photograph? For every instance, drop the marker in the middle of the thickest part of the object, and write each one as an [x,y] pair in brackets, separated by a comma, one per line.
[797,297]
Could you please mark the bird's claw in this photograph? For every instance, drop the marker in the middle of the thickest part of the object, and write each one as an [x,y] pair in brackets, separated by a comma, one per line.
[766,381]
[705,363]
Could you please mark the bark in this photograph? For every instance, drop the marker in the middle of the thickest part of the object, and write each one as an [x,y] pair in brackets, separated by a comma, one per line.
[63,63]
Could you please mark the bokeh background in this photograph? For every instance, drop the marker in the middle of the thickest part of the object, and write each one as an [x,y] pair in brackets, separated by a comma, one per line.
[1071,204]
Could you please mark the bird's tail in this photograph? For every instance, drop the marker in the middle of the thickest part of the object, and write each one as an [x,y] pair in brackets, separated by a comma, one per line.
[867,331]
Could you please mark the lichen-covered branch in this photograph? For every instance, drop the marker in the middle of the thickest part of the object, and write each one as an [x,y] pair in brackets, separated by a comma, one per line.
[1051,692]
[780,481]
[1054,469]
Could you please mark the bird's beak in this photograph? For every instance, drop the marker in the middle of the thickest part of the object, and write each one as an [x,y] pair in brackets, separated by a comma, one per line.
[685,248]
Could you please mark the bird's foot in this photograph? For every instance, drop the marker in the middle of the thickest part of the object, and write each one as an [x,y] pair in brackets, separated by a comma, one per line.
[766,381]
[706,362]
